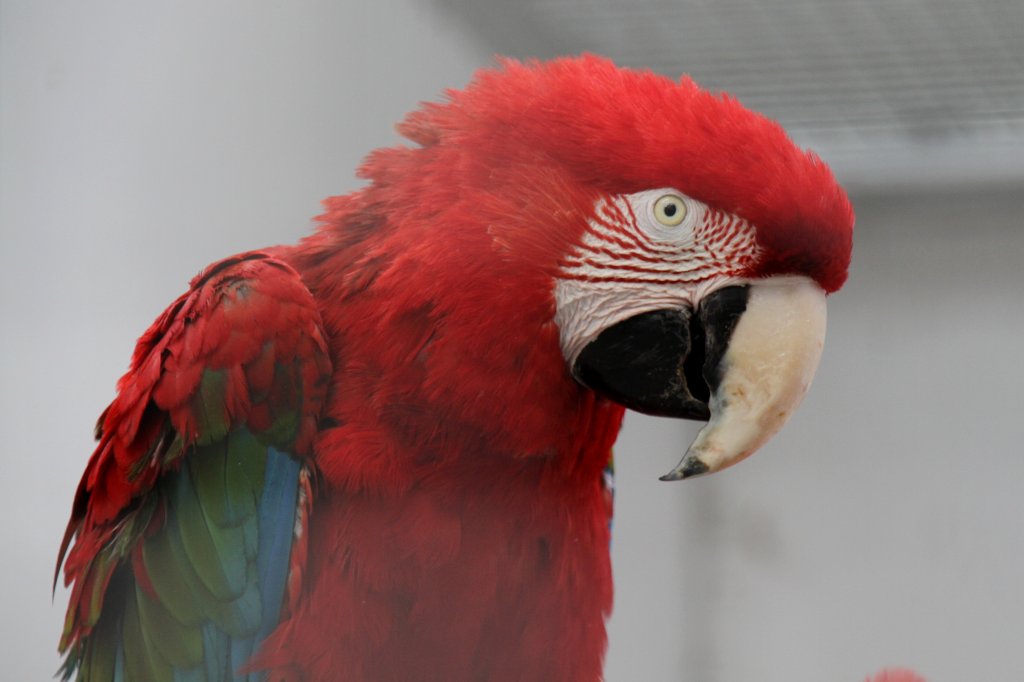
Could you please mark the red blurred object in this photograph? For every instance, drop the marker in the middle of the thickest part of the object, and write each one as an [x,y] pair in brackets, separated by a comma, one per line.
[896,675]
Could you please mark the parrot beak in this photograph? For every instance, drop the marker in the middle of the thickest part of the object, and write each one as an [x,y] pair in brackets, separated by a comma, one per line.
[743,361]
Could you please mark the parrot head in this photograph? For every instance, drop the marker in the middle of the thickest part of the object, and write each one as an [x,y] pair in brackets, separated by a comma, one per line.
[681,244]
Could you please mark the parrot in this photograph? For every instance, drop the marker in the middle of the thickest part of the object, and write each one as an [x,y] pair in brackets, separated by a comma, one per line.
[384,452]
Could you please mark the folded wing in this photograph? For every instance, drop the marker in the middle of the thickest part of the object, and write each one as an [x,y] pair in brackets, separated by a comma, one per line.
[185,519]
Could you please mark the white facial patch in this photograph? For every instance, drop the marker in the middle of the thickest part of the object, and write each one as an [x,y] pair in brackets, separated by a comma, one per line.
[637,256]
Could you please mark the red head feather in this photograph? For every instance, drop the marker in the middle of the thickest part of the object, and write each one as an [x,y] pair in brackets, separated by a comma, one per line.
[617,130]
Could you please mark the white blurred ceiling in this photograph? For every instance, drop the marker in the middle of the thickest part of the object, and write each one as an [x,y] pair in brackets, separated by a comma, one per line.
[904,92]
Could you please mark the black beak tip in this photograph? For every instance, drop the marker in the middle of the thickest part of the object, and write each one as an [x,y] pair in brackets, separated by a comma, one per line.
[691,467]
[695,467]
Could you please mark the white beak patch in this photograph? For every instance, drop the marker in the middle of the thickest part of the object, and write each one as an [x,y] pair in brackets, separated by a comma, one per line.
[766,371]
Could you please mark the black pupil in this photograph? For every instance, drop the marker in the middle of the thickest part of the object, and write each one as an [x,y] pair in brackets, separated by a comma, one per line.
[670,210]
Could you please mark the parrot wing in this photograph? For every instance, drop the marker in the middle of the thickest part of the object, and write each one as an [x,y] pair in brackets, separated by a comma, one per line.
[189,521]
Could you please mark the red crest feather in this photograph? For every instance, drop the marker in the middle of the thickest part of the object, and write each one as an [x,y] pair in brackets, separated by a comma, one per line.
[621,130]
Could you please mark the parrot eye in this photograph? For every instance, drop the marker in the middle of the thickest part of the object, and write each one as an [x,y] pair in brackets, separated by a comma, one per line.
[669,210]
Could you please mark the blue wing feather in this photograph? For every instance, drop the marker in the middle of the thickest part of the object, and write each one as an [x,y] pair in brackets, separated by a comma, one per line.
[280,491]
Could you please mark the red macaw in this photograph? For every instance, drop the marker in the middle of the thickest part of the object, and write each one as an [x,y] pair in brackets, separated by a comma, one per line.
[379,454]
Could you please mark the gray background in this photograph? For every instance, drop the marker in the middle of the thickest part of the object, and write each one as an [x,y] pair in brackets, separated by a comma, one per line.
[139,141]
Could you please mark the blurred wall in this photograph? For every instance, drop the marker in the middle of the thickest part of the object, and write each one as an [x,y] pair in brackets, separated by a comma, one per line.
[139,143]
